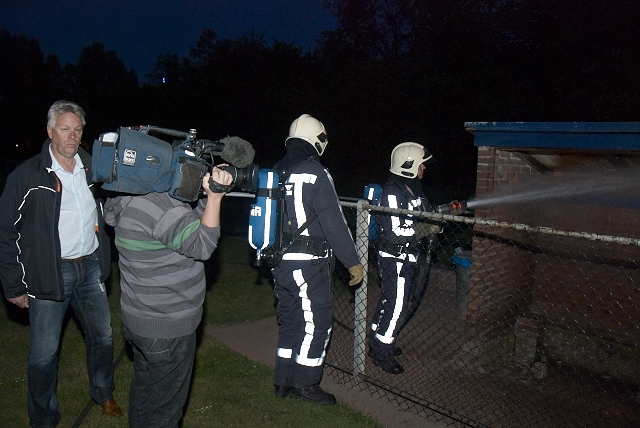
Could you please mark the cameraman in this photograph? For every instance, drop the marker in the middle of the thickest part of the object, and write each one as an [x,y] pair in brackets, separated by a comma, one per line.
[162,243]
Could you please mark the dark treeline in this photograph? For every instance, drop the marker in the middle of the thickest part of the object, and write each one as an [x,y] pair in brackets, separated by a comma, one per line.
[392,71]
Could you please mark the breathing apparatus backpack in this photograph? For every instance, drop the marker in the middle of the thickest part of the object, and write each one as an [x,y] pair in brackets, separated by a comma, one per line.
[373,193]
[266,222]
[263,221]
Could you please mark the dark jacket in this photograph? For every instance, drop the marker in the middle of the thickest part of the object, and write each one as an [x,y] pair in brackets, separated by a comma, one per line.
[30,255]
[310,192]
[398,229]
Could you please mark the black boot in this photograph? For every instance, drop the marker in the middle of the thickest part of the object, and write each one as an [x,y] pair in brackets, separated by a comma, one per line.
[313,394]
[389,365]
[282,391]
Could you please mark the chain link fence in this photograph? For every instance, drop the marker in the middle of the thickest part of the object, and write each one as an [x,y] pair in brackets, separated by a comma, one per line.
[510,325]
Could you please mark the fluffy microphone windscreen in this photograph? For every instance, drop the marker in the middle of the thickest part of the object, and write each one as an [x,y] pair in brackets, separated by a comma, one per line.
[237,152]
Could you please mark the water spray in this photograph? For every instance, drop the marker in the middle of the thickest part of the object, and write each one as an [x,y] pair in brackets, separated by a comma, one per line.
[561,187]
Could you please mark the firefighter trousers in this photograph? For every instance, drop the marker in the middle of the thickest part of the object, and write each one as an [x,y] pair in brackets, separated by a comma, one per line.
[396,280]
[304,294]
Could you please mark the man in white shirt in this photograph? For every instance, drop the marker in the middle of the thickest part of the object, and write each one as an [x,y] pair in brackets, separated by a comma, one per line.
[54,252]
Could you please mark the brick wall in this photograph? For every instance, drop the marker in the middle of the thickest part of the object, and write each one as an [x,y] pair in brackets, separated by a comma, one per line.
[501,282]
[579,285]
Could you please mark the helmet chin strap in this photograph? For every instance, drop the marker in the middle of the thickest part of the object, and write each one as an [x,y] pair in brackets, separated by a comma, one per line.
[319,149]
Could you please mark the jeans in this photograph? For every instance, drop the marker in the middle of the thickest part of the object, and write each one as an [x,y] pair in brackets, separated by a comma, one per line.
[161,378]
[87,296]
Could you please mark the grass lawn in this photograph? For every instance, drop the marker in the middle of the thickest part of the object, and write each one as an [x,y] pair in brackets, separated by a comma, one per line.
[228,389]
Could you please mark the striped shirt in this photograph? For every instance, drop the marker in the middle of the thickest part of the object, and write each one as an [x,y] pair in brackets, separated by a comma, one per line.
[161,246]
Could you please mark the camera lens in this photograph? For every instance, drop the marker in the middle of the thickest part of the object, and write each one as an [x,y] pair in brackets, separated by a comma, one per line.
[245,179]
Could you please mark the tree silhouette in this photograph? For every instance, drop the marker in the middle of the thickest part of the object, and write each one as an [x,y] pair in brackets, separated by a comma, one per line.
[391,71]
[105,88]
[23,95]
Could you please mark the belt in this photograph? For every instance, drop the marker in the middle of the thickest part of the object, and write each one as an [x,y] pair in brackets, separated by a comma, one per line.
[76,259]
[307,245]
[397,249]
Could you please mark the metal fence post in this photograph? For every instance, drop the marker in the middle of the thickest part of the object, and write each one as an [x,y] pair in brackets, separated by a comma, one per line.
[360,312]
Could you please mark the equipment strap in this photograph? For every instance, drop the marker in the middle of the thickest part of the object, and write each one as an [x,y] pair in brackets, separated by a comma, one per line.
[284,175]
[275,193]
[298,231]
[309,245]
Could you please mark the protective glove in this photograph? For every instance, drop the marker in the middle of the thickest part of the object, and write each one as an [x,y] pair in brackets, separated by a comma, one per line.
[423,230]
[357,274]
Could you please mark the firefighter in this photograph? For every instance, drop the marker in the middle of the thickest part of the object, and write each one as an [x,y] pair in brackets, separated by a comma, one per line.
[302,278]
[398,251]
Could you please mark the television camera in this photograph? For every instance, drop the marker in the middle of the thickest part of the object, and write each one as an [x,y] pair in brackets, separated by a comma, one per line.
[140,159]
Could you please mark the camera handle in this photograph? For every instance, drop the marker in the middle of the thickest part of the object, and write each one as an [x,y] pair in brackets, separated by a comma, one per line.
[221,188]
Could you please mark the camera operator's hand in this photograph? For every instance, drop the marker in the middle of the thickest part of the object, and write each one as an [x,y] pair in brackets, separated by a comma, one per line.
[219,178]
[222,181]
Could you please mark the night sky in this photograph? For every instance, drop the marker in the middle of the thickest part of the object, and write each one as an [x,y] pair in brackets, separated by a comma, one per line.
[141,30]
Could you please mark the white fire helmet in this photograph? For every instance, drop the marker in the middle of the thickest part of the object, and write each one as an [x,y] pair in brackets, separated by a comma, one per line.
[406,159]
[309,129]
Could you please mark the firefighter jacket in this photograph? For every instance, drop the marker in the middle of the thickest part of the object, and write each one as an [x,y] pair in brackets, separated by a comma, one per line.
[310,192]
[398,234]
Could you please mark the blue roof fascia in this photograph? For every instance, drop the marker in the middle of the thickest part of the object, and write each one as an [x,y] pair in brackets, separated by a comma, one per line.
[557,135]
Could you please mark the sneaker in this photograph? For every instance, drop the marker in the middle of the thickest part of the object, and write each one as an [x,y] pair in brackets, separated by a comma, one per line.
[313,394]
